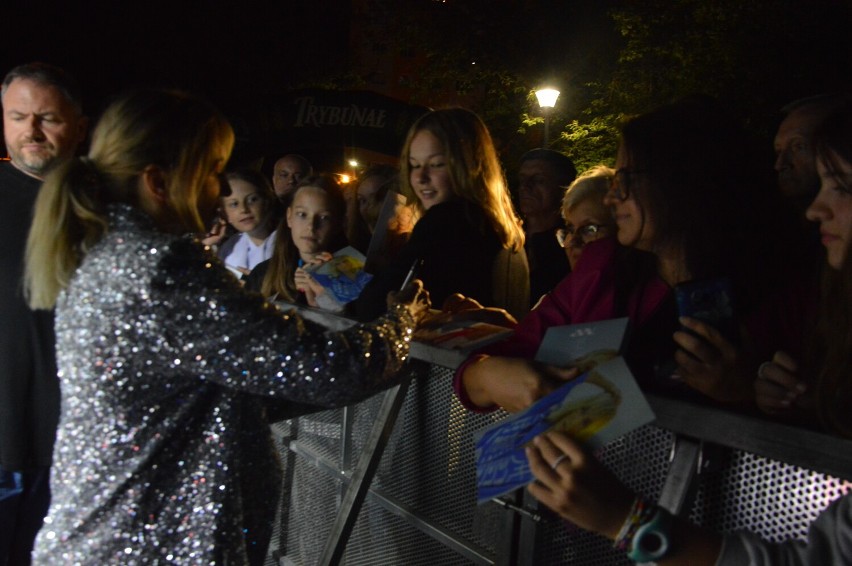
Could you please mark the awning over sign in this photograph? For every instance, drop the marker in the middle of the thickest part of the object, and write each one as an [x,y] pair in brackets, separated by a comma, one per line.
[318,120]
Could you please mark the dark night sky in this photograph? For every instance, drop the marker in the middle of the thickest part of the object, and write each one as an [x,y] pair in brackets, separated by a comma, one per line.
[224,50]
[232,51]
[216,48]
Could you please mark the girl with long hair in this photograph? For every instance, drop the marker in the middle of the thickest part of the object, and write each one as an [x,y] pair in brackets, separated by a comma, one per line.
[314,224]
[581,490]
[690,204]
[817,389]
[469,239]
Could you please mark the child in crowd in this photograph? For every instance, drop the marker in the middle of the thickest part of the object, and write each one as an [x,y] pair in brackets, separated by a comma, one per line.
[575,485]
[248,205]
[314,227]
[469,239]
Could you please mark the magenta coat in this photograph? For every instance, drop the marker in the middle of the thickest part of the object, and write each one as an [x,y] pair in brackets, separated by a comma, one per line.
[587,294]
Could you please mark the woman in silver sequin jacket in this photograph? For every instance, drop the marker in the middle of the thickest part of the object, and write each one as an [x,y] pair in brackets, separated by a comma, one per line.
[167,366]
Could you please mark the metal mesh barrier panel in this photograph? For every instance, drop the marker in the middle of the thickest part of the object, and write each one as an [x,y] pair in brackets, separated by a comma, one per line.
[426,476]
[772,499]
[421,508]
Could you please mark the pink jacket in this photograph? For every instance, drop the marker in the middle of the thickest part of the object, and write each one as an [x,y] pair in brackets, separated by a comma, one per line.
[587,294]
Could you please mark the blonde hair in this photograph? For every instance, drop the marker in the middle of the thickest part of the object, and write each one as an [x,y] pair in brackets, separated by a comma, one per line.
[475,172]
[183,135]
[593,183]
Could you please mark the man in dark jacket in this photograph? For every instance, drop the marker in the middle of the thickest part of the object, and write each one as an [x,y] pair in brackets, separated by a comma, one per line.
[42,125]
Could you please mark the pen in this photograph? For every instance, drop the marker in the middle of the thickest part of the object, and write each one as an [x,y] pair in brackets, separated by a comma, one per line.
[411,273]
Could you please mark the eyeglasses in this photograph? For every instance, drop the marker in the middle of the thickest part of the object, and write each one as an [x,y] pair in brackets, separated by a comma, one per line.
[620,186]
[586,233]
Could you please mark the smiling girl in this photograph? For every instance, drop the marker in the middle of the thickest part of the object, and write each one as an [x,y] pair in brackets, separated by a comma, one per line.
[469,239]
[690,205]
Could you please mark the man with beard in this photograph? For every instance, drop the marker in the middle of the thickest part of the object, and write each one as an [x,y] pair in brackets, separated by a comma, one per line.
[42,126]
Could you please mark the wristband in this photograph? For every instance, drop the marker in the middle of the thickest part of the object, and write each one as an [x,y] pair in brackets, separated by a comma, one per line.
[651,541]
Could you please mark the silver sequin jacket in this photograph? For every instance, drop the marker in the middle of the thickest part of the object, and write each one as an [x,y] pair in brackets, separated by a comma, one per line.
[167,367]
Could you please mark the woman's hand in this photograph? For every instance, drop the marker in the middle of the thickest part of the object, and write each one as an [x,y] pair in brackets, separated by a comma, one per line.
[465,308]
[305,283]
[574,484]
[778,389]
[216,234]
[712,365]
[414,296]
[512,383]
[577,486]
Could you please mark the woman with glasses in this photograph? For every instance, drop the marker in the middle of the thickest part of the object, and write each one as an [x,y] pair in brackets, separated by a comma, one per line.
[690,205]
[581,490]
[586,217]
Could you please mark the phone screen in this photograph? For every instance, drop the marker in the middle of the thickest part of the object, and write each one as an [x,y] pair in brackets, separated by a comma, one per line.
[709,301]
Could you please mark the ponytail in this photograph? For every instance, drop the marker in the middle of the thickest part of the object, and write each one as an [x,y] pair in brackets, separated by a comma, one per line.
[174,131]
[69,219]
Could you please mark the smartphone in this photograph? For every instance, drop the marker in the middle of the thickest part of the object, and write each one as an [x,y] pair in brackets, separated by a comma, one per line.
[709,301]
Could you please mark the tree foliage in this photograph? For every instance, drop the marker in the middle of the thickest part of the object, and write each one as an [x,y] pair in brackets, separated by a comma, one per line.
[489,55]
[756,56]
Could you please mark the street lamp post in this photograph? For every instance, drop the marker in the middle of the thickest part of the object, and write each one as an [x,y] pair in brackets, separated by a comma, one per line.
[546,100]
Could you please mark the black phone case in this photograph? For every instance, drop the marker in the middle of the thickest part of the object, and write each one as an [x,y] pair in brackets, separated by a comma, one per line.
[709,301]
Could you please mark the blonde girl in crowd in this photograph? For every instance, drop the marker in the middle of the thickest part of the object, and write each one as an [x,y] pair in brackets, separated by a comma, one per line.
[167,365]
[469,239]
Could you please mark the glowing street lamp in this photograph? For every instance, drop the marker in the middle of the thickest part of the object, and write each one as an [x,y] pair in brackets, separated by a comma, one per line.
[546,100]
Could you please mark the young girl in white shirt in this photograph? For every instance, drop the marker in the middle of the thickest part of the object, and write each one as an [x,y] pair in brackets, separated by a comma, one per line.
[249,208]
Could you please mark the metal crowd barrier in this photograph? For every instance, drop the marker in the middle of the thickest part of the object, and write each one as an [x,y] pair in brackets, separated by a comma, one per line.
[391,480]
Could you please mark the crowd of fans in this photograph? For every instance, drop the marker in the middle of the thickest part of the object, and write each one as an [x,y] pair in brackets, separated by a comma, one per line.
[690,201]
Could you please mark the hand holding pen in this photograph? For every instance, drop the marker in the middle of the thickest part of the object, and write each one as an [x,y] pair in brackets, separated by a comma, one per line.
[412,294]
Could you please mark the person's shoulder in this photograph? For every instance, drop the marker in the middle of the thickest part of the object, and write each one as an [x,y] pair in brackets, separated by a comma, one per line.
[446,209]
[11,175]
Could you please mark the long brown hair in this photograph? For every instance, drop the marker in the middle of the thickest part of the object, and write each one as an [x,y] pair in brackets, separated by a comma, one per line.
[279,278]
[700,180]
[829,354]
[474,169]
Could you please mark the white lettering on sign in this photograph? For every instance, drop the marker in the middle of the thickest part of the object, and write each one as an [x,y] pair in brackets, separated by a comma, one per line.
[311,114]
